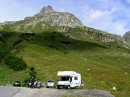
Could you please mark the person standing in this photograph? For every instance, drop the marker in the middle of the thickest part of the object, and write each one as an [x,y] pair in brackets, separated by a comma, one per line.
[82,84]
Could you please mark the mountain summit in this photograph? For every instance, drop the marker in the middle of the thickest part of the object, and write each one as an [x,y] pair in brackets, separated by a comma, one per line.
[46,18]
[54,18]
[45,10]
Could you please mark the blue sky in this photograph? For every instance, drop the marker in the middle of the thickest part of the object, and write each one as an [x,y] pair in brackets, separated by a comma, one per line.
[112,16]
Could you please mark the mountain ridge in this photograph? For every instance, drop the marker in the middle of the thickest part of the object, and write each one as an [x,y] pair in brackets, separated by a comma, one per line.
[49,19]
[126,36]
[45,14]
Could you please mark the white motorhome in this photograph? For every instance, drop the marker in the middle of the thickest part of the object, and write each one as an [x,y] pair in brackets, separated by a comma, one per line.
[68,79]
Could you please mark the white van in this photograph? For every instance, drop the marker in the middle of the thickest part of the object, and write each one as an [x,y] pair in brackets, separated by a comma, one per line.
[68,79]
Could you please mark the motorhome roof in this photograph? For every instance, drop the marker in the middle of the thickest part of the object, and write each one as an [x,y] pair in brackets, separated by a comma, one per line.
[67,73]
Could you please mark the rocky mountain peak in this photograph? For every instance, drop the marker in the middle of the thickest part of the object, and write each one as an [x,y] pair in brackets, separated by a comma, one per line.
[53,18]
[46,18]
[46,10]
[126,36]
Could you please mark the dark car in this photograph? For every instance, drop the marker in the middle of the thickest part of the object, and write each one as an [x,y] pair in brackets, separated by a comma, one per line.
[17,84]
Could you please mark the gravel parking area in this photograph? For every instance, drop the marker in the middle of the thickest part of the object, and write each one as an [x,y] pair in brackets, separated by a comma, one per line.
[47,92]
[95,93]
[8,91]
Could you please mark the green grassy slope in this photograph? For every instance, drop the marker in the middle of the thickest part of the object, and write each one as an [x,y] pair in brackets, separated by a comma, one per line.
[101,65]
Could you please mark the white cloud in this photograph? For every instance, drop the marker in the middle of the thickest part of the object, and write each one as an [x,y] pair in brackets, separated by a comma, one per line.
[112,19]
[114,27]
[93,14]
[128,1]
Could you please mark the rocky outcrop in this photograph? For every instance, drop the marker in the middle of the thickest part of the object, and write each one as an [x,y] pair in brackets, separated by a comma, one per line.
[45,18]
[62,19]
[8,22]
[126,36]
[53,18]
[45,11]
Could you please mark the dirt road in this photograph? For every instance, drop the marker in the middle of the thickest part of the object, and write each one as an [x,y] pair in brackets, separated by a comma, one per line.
[8,91]
[45,92]
[27,92]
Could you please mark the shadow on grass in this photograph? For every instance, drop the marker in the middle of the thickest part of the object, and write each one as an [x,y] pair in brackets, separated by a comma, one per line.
[54,40]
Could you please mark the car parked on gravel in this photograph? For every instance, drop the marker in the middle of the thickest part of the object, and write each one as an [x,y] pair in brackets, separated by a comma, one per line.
[50,84]
[17,84]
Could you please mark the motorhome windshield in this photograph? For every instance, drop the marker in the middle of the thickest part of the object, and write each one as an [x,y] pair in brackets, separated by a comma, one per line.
[65,78]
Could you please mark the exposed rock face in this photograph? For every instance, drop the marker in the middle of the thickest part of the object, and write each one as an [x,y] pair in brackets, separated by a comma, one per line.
[45,10]
[53,18]
[45,18]
[126,36]
[62,19]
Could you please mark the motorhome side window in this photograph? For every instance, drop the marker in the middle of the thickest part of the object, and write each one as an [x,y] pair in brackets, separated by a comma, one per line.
[75,78]
[64,78]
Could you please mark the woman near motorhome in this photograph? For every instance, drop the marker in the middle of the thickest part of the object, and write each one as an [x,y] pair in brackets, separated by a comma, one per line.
[82,84]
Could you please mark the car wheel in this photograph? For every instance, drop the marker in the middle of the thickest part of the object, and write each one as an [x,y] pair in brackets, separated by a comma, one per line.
[58,87]
[68,87]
